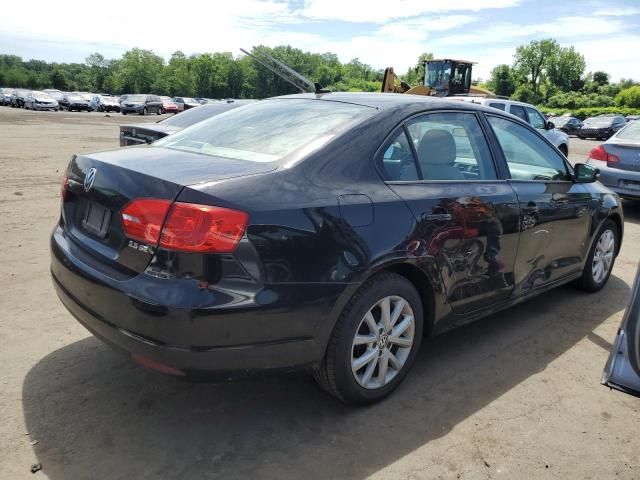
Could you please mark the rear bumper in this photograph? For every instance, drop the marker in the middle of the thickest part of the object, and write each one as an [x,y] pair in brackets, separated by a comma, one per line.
[625,183]
[196,331]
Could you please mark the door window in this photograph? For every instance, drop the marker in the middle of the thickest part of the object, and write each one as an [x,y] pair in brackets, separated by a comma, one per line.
[451,146]
[499,106]
[519,112]
[536,119]
[529,157]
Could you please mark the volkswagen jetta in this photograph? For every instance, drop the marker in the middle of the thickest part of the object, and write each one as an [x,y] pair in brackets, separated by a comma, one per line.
[328,232]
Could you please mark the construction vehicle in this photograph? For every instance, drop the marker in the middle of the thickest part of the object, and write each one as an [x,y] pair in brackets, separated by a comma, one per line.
[442,78]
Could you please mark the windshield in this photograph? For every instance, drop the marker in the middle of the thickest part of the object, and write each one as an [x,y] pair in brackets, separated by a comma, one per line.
[630,132]
[267,131]
[136,98]
[190,100]
[560,121]
[75,98]
[599,121]
[195,115]
[166,99]
[437,75]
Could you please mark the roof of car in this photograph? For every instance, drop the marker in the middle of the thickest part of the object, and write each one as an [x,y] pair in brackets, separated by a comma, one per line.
[384,101]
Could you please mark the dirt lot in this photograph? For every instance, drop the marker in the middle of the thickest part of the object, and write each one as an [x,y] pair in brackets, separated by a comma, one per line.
[513,396]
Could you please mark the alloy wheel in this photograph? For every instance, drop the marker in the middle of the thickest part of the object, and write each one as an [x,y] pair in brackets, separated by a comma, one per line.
[382,342]
[603,256]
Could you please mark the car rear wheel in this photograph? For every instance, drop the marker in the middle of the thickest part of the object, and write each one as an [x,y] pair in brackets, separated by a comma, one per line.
[374,342]
[145,111]
[602,256]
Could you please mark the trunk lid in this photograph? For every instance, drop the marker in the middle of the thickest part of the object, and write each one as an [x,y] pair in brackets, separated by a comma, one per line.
[628,151]
[91,216]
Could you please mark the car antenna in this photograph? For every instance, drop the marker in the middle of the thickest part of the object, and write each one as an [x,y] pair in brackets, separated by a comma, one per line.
[288,74]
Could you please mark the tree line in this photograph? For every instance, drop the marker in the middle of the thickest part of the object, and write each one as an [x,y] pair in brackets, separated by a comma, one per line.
[545,73]
[542,73]
[210,75]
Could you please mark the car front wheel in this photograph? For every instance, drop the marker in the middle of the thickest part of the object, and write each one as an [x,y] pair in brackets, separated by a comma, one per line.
[602,256]
[374,342]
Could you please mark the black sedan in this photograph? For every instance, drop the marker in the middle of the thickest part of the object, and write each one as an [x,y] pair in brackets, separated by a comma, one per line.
[147,133]
[324,232]
[601,127]
[72,101]
[569,125]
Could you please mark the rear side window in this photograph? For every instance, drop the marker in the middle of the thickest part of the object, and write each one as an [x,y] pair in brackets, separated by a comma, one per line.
[499,106]
[443,146]
[519,112]
[398,160]
[269,130]
[529,157]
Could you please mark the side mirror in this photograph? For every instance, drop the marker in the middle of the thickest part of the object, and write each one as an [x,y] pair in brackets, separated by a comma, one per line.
[550,126]
[584,173]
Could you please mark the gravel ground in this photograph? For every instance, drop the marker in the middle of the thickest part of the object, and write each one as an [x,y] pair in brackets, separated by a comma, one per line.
[516,395]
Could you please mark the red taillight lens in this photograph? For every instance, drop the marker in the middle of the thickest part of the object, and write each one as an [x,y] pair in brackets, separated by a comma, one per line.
[599,153]
[202,228]
[64,184]
[142,219]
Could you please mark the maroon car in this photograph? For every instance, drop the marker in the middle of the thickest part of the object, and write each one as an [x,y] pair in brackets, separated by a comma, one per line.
[168,105]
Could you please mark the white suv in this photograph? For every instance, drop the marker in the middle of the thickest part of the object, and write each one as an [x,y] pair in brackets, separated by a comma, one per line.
[529,114]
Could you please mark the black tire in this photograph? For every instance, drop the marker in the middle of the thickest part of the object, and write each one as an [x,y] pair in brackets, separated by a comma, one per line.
[124,113]
[145,111]
[586,282]
[334,373]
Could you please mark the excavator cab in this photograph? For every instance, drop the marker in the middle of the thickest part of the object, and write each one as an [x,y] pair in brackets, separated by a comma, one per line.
[448,77]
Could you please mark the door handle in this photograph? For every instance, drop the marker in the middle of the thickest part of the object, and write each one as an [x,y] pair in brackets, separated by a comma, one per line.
[531,208]
[436,217]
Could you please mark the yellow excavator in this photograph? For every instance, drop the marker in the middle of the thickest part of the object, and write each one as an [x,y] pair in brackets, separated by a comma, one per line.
[442,78]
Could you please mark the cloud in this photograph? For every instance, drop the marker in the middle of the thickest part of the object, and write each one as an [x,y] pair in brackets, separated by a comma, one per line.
[381,11]
[614,11]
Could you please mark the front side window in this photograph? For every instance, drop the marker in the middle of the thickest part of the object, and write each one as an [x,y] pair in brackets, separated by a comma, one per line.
[518,111]
[529,157]
[451,146]
[269,130]
[536,119]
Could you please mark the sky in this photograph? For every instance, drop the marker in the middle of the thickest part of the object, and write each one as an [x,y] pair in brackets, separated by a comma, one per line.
[380,33]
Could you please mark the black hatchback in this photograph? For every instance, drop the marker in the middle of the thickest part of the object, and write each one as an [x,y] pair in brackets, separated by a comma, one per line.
[323,232]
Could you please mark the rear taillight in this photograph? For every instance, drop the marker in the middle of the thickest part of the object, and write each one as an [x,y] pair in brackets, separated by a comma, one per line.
[599,153]
[64,186]
[187,227]
[142,219]
[202,228]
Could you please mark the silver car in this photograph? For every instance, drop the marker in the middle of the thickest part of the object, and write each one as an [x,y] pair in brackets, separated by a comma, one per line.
[622,370]
[5,96]
[40,101]
[619,161]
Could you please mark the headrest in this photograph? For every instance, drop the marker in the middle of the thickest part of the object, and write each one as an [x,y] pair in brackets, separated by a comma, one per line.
[437,147]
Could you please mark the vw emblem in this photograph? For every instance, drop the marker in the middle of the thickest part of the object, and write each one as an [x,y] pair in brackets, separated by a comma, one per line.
[89,179]
[383,341]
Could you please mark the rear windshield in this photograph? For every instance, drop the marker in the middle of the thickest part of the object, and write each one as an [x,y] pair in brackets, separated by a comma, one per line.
[269,130]
[630,132]
[195,115]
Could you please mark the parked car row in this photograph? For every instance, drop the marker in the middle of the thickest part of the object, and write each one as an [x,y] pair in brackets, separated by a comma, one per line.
[601,127]
[142,104]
